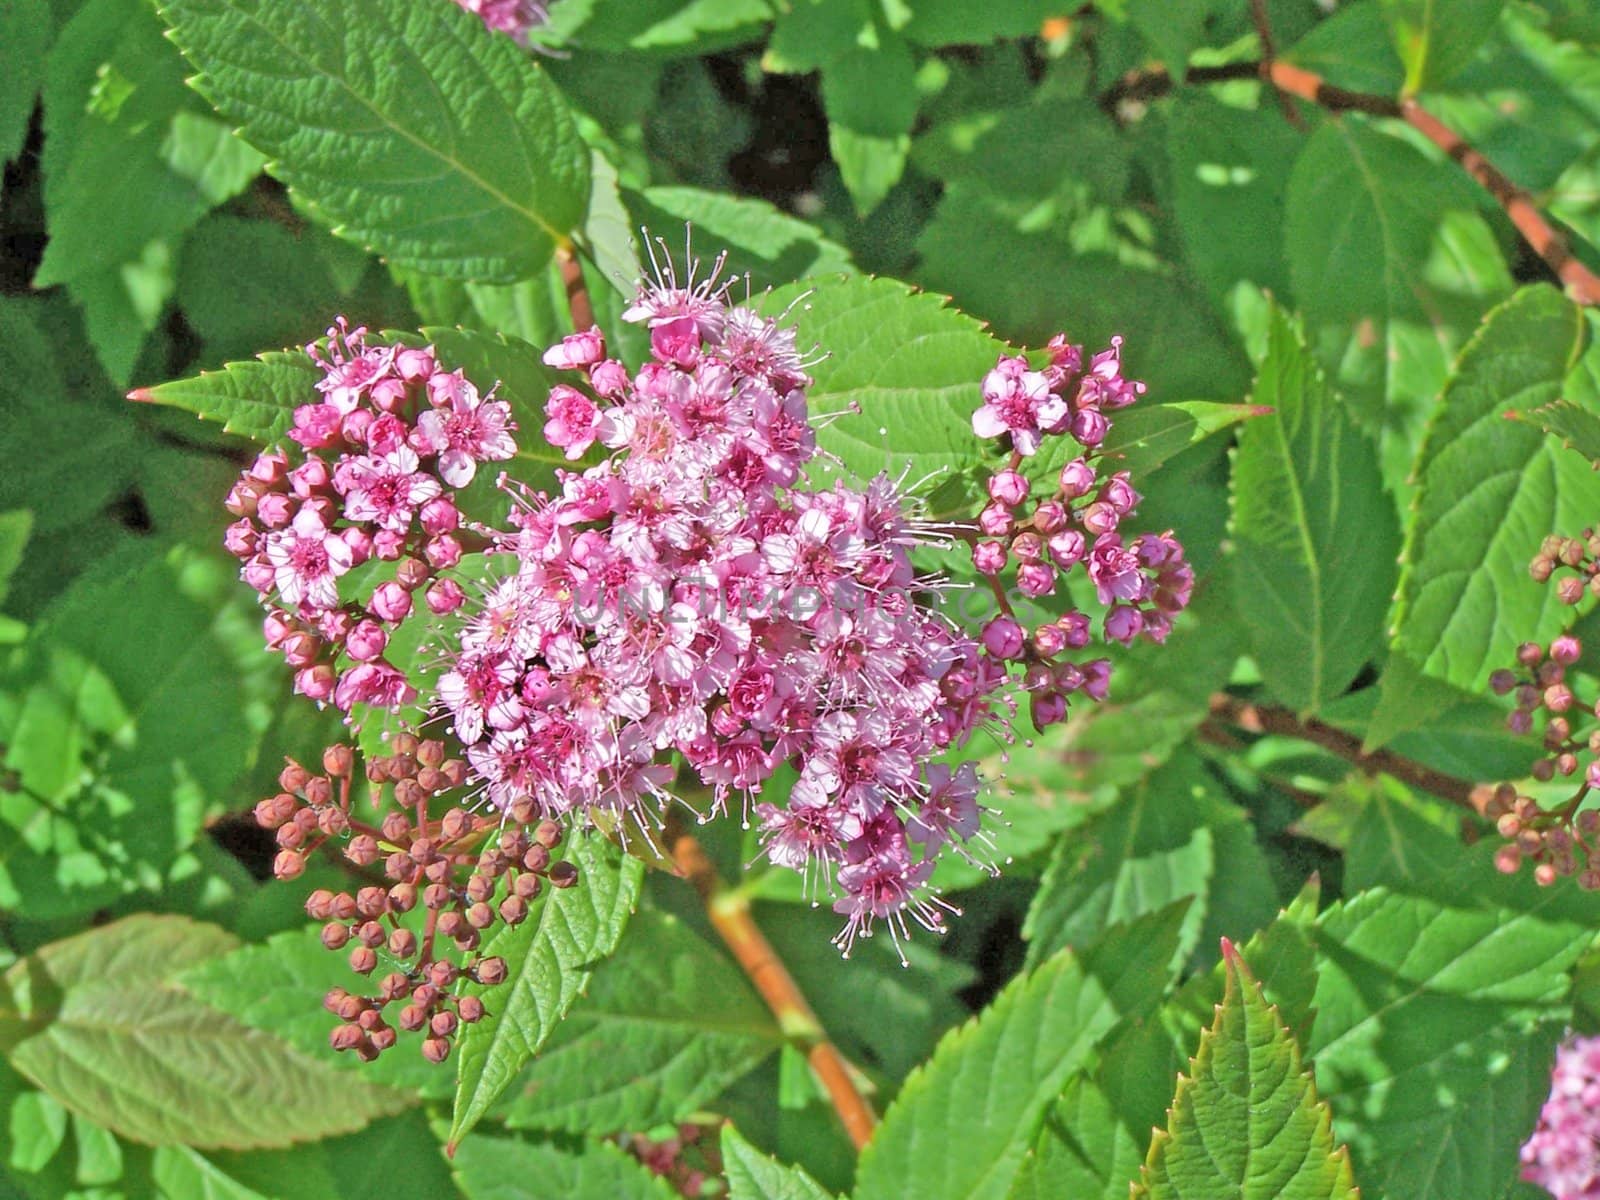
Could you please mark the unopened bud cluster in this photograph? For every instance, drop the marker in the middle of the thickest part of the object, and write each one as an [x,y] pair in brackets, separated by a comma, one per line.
[1142,582]
[685,1158]
[1571,565]
[463,873]
[376,461]
[1558,841]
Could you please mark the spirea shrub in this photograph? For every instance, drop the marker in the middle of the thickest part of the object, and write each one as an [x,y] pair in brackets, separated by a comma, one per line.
[1051,657]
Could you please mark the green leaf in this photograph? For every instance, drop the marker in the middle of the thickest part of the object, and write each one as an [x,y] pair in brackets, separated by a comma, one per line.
[1230,168]
[678,27]
[1247,1122]
[962,1124]
[764,242]
[15,527]
[549,957]
[278,986]
[870,96]
[410,129]
[1577,427]
[754,1176]
[911,363]
[1315,535]
[1415,1001]
[123,744]
[131,161]
[1436,38]
[1166,839]
[1488,491]
[668,1022]
[1084,1151]
[500,1169]
[255,399]
[29,26]
[1392,267]
[1146,436]
[91,1020]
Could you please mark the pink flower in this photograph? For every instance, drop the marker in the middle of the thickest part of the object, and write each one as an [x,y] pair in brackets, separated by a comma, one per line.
[385,491]
[307,561]
[574,422]
[463,430]
[1019,402]
[577,350]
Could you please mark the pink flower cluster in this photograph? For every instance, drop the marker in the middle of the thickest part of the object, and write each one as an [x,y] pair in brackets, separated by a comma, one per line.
[1142,582]
[378,456]
[1563,1154]
[691,595]
[512,17]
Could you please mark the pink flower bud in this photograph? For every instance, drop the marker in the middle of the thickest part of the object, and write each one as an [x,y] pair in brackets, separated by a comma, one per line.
[1099,518]
[1008,488]
[439,515]
[989,557]
[994,520]
[359,542]
[317,425]
[390,602]
[388,545]
[1050,517]
[269,467]
[677,342]
[240,539]
[1003,638]
[1077,479]
[415,364]
[300,649]
[1529,654]
[389,395]
[1067,548]
[1036,579]
[242,496]
[316,683]
[1075,628]
[366,641]
[1090,427]
[1123,623]
[1049,640]
[445,596]
[335,625]
[1046,709]
[1097,678]
[1566,649]
[275,628]
[1119,493]
[1501,682]
[442,552]
[1027,547]
[577,350]
[356,425]
[275,510]
[258,573]
[309,477]
[609,378]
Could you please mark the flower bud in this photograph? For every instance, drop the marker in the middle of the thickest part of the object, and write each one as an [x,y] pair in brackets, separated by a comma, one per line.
[363,959]
[1077,479]
[390,602]
[1003,638]
[442,552]
[491,971]
[367,641]
[411,574]
[288,864]
[1050,517]
[445,596]
[989,557]
[1008,488]
[1067,548]
[1566,649]
[435,1049]
[335,935]
[1036,579]
[994,521]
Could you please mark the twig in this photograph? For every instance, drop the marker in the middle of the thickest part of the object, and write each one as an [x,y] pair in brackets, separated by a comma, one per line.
[577,291]
[1582,284]
[1267,718]
[730,916]
[1269,55]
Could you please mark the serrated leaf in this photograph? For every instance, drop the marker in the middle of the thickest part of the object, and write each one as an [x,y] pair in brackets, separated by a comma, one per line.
[1147,435]
[1415,1001]
[762,241]
[1436,38]
[549,957]
[1170,837]
[255,398]
[278,986]
[123,744]
[911,363]
[962,1124]
[1576,426]
[1489,491]
[754,1176]
[488,1168]
[667,1024]
[1247,1122]
[411,129]
[1085,1150]
[1315,535]
[91,1020]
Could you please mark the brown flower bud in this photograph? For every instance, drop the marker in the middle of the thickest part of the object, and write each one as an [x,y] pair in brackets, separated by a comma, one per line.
[480,916]
[491,971]
[404,743]
[439,870]
[455,823]
[293,776]
[275,810]
[403,897]
[372,901]
[350,1007]
[470,1009]
[402,943]
[377,769]
[334,998]
[394,985]
[343,907]
[335,935]
[332,822]
[411,574]
[382,1039]
[408,793]
[319,791]
[442,973]
[432,781]
[399,866]
[362,850]
[562,874]
[527,886]
[454,770]
[290,836]
[443,1024]
[451,923]
[395,827]
[513,910]
[337,760]
[288,864]
[430,753]
[435,1049]
[413,1017]
[537,858]
[522,810]
[370,933]
[345,1037]
[435,896]
[363,959]
[425,995]
[479,887]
